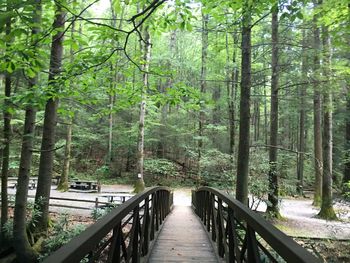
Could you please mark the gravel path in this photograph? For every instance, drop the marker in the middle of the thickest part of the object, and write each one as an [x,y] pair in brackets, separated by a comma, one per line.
[300,220]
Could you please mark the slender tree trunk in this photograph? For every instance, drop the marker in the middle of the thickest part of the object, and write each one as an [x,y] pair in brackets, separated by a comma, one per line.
[63,184]
[140,185]
[327,210]
[346,178]
[244,117]
[24,251]
[317,114]
[203,84]
[302,116]
[273,208]
[49,128]
[7,134]
[232,75]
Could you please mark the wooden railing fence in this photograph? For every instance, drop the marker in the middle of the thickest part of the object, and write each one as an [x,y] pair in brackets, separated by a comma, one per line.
[241,235]
[123,235]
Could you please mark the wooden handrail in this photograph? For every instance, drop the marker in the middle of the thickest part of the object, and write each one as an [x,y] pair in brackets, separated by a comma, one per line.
[237,231]
[116,237]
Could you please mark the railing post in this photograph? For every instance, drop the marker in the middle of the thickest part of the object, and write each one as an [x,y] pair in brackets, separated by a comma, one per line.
[114,251]
[145,231]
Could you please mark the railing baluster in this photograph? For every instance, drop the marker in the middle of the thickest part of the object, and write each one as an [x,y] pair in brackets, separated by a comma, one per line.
[236,235]
[253,251]
[145,228]
[114,251]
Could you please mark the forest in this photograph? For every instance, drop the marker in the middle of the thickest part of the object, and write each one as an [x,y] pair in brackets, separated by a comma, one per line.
[251,96]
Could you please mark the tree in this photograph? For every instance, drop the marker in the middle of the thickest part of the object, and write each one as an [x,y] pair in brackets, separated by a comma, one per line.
[302,118]
[203,87]
[317,111]
[140,184]
[23,248]
[273,208]
[50,122]
[7,128]
[327,211]
[244,115]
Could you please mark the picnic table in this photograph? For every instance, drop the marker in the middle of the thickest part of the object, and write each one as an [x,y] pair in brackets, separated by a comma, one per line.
[117,197]
[12,182]
[83,185]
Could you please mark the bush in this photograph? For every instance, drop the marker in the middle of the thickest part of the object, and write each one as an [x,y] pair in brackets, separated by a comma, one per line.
[217,169]
[61,234]
[160,168]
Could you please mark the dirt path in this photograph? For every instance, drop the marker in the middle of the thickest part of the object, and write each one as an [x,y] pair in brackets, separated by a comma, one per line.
[300,220]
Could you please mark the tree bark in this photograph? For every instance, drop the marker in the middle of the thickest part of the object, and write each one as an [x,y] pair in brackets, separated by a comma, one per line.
[140,184]
[273,208]
[327,211]
[302,116]
[346,178]
[63,183]
[244,116]
[203,89]
[7,133]
[317,114]
[49,128]
[232,75]
[23,249]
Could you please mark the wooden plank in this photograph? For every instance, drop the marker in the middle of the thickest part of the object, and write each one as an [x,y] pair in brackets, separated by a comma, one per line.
[182,239]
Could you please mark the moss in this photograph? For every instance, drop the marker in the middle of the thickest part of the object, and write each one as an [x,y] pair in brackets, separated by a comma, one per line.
[139,186]
[327,213]
[273,212]
[317,200]
[62,186]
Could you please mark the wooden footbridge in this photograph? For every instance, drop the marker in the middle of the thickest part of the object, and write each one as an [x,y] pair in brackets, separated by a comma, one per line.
[147,228]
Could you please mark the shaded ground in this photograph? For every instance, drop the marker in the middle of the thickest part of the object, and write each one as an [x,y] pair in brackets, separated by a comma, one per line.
[300,220]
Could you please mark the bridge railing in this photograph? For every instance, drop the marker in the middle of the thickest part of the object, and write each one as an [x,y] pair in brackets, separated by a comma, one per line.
[241,235]
[123,235]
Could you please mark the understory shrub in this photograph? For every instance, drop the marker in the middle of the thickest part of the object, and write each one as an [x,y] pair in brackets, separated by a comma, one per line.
[61,233]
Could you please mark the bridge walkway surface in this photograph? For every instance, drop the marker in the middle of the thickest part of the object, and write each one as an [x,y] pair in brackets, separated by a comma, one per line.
[182,239]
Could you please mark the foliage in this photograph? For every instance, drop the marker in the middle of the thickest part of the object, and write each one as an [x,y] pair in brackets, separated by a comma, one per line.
[217,169]
[98,213]
[160,168]
[61,233]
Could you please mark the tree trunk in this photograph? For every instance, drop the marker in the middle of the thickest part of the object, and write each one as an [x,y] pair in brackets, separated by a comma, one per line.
[7,134]
[302,115]
[24,251]
[244,116]
[140,184]
[317,114]
[346,178]
[203,84]
[273,208]
[327,211]
[232,75]
[63,184]
[49,128]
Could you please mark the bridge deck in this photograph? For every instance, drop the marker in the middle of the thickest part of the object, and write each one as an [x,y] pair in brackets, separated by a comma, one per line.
[182,239]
